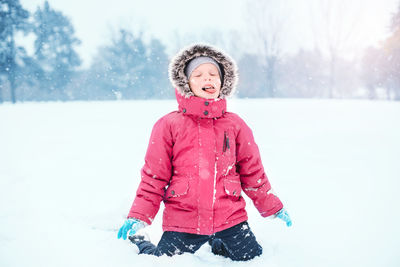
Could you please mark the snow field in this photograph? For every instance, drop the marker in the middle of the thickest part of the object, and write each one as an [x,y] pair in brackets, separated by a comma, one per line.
[69,172]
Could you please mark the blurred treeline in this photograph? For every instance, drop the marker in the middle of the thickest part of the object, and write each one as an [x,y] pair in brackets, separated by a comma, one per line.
[133,67]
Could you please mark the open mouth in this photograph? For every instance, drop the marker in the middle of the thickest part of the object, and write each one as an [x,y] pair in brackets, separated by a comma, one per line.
[209,89]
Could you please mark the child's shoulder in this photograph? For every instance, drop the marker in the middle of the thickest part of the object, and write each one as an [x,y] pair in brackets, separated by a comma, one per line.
[170,115]
[238,122]
[234,117]
[168,119]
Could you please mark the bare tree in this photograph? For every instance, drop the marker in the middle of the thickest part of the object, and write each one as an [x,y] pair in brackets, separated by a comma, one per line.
[266,27]
[391,50]
[334,25]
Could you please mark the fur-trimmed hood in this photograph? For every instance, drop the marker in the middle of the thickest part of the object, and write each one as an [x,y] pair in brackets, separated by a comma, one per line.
[227,65]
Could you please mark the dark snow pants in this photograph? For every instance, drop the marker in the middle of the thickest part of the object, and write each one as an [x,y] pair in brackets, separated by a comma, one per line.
[237,243]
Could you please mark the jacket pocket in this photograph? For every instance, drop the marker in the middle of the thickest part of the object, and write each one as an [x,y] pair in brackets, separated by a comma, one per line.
[232,187]
[177,189]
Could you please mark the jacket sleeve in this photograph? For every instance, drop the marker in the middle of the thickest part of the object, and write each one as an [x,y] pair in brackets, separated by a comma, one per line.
[253,178]
[155,173]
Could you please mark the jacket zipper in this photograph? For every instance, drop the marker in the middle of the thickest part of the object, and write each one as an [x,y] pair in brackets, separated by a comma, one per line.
[226,142]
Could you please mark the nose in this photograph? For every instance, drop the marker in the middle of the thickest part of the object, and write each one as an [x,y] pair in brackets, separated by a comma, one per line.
[207,77]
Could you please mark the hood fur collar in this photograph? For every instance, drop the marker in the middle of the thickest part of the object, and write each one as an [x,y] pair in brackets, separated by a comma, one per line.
[227,65]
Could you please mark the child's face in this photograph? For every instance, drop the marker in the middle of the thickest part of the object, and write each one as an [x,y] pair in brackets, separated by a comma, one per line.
[205,81]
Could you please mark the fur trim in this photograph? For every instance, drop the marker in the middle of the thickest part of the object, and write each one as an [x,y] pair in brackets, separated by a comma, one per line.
[227,64]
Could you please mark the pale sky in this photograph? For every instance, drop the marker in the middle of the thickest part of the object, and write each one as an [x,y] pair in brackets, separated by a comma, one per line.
[95,20]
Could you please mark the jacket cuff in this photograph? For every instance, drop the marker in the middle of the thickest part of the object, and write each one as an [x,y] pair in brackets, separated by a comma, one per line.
[143,210]
[133,215]
[273,211]
[138,220]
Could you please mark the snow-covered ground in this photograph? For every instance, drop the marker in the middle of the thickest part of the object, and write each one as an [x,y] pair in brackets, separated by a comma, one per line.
[69,172]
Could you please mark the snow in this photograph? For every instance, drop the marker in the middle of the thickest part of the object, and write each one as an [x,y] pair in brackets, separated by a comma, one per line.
[215,182]
[69,172]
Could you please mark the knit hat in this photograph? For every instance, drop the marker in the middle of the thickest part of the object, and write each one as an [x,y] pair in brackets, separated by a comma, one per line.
[194,63]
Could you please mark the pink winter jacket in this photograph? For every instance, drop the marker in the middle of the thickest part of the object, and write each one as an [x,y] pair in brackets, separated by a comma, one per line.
[201,158]
[199,161]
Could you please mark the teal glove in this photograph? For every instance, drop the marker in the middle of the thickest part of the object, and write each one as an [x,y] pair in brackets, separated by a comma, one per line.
[132,225]
[283,215]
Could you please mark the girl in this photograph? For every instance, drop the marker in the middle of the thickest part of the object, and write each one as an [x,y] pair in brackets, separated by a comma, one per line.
[199,161]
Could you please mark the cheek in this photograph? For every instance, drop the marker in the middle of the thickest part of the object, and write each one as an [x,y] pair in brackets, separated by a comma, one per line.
[217,83]
[194,85]
[194,81]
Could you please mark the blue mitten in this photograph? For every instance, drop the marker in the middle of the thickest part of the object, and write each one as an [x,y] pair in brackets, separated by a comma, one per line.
[283,215]
[132,225]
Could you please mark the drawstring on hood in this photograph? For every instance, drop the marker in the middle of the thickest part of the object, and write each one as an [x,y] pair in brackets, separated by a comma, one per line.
[226,63]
